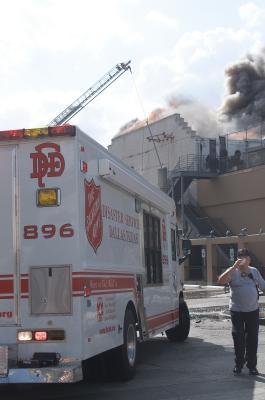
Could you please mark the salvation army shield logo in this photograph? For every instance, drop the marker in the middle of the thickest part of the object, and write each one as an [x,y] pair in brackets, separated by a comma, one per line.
[93,216]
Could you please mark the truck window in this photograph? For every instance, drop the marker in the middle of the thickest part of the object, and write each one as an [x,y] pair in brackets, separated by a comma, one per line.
[152,249]
[173,245]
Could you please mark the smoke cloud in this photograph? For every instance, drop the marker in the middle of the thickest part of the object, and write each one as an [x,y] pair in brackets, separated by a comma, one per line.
[135,123]
[197,116]
[244,103]
[200,118]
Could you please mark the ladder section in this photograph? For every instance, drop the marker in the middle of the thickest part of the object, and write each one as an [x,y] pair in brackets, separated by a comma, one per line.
[90,94]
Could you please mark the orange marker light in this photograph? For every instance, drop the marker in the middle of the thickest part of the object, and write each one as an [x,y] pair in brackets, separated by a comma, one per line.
[48,197]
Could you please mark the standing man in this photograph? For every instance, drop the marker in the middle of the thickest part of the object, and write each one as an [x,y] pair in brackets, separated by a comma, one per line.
[244,282]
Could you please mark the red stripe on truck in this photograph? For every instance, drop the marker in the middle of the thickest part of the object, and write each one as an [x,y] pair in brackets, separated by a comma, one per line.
[106,273]
[106,284]
[24,285]
[99,283]
[6,286]
[159,320]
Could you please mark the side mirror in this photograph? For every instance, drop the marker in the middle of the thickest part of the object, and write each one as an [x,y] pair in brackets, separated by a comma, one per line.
[186,247]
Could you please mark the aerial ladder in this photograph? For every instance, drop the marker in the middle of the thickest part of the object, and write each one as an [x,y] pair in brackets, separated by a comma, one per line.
[90,94]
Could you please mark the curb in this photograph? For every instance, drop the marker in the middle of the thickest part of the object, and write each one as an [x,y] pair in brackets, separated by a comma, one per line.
[197,294]
[215,315]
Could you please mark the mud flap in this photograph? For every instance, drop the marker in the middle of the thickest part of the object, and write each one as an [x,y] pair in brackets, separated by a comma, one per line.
[141,309]
[3,361]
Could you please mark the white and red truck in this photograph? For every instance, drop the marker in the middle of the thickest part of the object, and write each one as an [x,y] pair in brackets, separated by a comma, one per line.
[88,258]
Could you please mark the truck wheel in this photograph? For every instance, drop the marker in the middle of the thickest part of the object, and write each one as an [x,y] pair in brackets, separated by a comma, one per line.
[94,368]
[126,354]
[180,332]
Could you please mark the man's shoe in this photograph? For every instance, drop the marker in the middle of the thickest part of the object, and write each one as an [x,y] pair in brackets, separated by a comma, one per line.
[253,371]
[237,370]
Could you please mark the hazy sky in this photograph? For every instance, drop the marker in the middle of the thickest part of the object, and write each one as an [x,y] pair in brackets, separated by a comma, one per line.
[52,51]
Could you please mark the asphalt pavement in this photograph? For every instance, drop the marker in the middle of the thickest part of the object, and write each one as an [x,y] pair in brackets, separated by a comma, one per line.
[200,368]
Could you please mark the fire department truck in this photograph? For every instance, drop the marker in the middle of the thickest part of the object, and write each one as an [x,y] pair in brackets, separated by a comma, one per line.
[88,258]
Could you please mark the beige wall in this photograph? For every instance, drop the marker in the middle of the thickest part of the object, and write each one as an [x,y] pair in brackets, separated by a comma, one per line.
[134,148]
[238,199]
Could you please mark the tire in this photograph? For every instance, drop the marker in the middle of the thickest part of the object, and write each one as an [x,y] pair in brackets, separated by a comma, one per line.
[180,332]
[126,354]
[94,369]
[117,363]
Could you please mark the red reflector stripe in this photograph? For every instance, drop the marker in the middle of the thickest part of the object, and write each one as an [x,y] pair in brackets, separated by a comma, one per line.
[6,286]
[115,283]
[24,285]
[162,319]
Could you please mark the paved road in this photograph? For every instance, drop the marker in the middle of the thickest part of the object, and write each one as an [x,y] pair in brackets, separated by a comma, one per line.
[198,369]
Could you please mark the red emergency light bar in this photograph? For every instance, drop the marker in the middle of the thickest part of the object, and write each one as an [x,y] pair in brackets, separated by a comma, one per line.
[64,130]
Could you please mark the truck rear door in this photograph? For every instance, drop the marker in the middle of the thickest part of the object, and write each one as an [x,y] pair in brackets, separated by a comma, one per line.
[9,283]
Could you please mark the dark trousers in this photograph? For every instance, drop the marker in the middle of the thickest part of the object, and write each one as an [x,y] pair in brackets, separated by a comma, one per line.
[245,329]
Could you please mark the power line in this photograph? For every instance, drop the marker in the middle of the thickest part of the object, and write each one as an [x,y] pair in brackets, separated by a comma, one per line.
[146,119]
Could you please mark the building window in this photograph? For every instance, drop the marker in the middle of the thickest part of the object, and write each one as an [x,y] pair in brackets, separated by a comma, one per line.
[152,249]
[173,245]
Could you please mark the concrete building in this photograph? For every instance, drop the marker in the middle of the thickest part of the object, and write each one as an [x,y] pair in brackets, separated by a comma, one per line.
[169,142]
[236,201]
[217,184]
[163,142]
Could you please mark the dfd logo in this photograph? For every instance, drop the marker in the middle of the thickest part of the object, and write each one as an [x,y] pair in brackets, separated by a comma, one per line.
[50,163]
[93,215]
[100,309]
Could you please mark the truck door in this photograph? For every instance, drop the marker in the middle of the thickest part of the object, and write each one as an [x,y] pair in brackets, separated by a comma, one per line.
[9,284]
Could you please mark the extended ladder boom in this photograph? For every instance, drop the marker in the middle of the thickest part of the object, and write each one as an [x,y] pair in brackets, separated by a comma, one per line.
[90,94]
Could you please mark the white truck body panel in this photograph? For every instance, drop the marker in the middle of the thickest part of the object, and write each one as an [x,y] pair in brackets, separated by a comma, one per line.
[76,266]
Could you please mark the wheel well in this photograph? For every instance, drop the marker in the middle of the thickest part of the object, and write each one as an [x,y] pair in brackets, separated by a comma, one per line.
[130,306]
[181,297]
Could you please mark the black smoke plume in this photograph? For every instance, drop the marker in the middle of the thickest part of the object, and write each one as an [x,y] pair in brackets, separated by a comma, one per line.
[244,102]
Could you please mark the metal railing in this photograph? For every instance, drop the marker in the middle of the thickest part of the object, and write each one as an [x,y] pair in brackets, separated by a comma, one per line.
[255,156]
[191,162]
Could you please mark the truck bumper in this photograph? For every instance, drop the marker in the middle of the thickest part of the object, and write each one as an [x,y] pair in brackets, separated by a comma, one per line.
[63,373]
